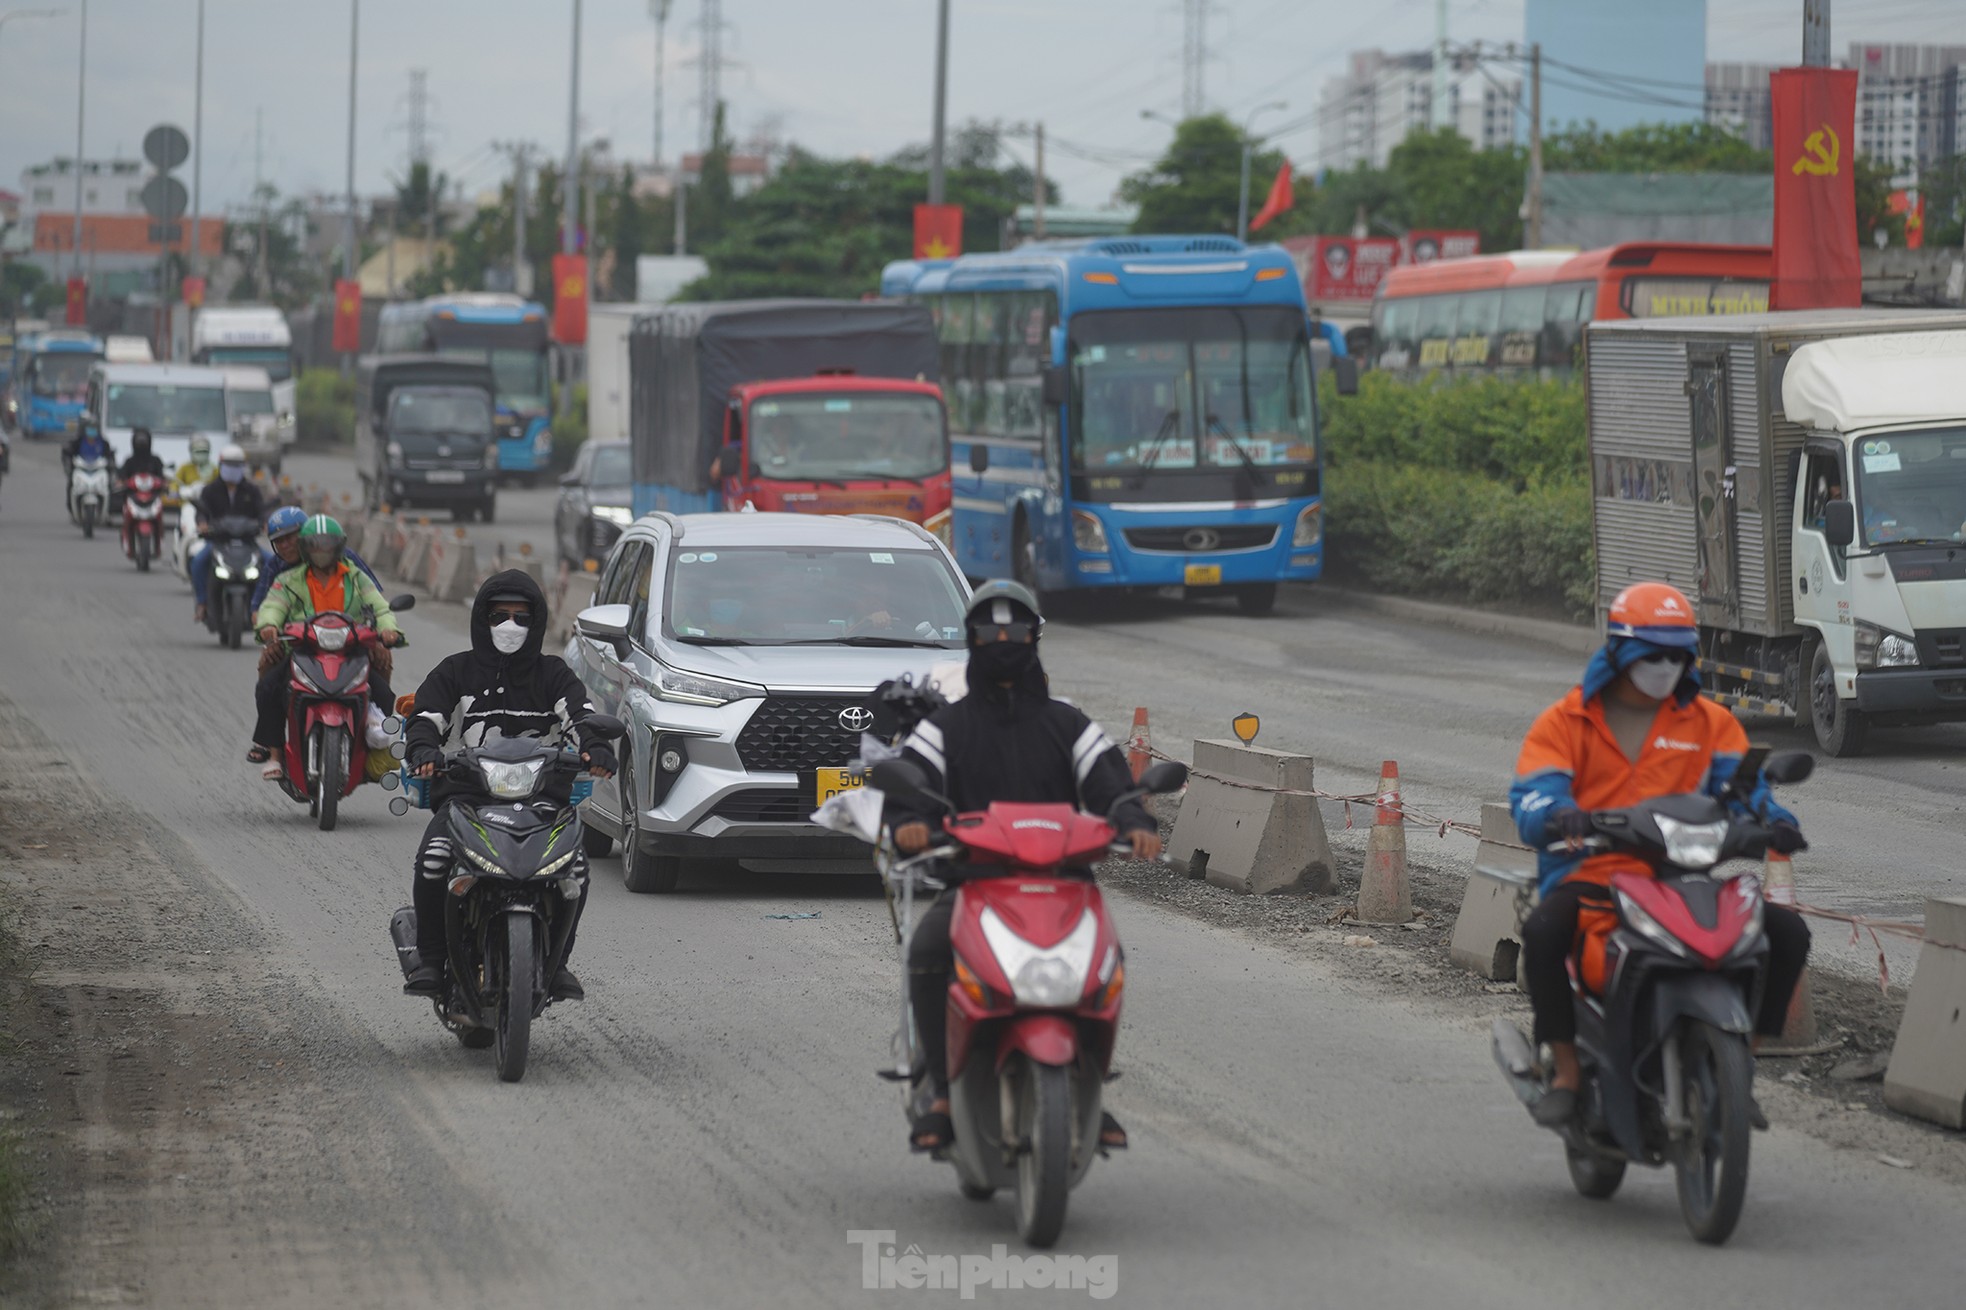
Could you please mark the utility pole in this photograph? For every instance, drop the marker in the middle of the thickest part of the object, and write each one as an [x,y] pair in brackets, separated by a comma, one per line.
[679,240]
[659,11]
[198,148]
[81,86]
[1248,147]
[1194,56]
[569,213]
[1440,117]
[1533,203]
[940,118]
[1037,187]
[419,131]
[352,245]
[1815,33]
[521,283]
[711,63]
[265,278]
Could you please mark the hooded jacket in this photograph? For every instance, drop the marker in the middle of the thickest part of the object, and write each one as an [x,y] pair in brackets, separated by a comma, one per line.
[1018,744]
[1571,759]
[476,691]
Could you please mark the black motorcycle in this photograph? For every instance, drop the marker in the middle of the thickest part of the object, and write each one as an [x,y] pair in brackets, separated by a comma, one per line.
[519,873]
[234,564]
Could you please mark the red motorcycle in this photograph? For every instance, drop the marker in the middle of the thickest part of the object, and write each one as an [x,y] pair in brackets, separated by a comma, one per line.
[326,755]
[143,519]
[1034,1000]
[1667,979]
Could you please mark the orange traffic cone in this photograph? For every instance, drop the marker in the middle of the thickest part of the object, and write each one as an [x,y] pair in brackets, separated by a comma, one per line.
[1384,894]
[1139,751]
[1799,1035]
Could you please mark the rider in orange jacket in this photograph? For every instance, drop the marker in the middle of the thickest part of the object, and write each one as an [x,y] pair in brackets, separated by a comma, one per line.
[1634,729]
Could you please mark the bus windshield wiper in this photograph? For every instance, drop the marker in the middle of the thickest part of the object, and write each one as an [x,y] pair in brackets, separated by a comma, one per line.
[1150,457]
[1248,461]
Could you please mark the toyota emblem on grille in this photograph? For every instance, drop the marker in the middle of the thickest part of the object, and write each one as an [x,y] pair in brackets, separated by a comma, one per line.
[856,718]
[1202,539]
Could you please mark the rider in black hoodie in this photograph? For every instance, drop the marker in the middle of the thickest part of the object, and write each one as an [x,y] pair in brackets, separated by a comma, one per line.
[503,684]
[1005,740]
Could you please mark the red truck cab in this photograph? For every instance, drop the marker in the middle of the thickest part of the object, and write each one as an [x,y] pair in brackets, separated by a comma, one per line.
[837,443]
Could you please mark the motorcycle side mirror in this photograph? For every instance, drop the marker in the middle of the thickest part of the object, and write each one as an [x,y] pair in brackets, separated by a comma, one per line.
[1167,776]
[403,602]
[1789,766]
[605,726]
[898,777]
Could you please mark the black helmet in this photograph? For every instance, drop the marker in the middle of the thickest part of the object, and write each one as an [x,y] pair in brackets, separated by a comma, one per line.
[140,441]
[1002,601]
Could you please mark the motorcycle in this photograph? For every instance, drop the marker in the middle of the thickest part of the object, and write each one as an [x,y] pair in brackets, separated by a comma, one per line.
[143,519]
[88,493]
[1034,999]
[234,573]
[521,872]
[325,756]
[184,530]
[1665,1003]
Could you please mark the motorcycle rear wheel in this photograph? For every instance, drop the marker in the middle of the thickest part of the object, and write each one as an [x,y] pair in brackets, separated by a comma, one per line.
[515,991]
[334,772]
[1712,1164]
[1595,1176]
[1044,1165]
[89,522]
[143,553]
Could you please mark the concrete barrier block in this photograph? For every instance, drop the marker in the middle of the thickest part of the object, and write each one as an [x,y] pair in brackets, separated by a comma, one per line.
[1927,1074]
[1487,939]
[416,555]
[454,571]
[383,543]
[1257,841]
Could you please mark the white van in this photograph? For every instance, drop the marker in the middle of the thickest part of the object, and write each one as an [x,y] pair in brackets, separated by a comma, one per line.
[174,401]
[122,349]
[254,418]
[251,336]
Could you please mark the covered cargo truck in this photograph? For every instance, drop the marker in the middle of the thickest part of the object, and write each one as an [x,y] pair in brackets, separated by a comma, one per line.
[1802,477]
[809,405]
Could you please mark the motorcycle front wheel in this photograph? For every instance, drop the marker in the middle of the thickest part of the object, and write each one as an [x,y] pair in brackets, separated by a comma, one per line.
[334,772]
[89,522]
[1716,1073]
[515,991]
[1044,1161]
[230,622]
[1595,1176]
[143,552]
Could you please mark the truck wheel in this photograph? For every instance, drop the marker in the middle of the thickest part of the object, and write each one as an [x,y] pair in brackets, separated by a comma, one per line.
[1840,726]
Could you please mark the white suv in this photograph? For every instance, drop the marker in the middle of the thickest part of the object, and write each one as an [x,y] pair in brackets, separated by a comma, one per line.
[742,651]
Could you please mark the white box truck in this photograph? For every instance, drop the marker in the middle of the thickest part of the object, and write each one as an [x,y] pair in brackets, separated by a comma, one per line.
[608,329]
[1802,477]
[254,336]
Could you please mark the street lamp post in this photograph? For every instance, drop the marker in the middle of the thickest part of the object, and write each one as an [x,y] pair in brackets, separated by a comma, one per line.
[350,245]
[81,86]
[198,145]
[1242,188]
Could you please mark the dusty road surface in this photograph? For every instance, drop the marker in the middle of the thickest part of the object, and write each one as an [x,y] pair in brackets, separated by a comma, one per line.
[238,1108]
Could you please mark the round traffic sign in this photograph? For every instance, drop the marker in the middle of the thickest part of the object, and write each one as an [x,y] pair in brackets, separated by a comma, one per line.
[166,147]
[164,198]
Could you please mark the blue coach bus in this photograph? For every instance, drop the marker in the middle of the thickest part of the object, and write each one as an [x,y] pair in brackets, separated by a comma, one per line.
[49,379]
[501,330]
[1129,412]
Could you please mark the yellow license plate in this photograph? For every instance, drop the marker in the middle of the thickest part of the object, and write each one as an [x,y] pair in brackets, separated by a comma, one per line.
[834,781]
[1204,575]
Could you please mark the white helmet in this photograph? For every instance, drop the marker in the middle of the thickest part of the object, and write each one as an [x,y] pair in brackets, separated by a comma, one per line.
[233,454]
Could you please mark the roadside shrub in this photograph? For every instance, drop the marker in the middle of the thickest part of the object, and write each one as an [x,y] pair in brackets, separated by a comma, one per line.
[1512,428]
[324,407]
[570,430]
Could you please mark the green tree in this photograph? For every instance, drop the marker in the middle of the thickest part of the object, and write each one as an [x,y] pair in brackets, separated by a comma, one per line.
[1193,187]
[23,288]
[292,279]
[1653,148]
[1431,179]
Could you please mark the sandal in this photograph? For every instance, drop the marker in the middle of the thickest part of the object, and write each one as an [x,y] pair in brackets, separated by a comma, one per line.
[1112,1137]
[936,1127]
[259,754]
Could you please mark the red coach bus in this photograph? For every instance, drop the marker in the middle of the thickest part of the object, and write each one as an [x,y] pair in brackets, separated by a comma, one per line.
[1527,309]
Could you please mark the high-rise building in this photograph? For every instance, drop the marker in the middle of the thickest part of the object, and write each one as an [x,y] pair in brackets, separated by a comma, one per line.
[1618,64]
[1908,104]
[1737,102]
[1382,98]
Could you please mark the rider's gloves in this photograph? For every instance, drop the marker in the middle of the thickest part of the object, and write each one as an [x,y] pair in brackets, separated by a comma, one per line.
[600,756]
[1786,839]
[423,755]
[1569,823]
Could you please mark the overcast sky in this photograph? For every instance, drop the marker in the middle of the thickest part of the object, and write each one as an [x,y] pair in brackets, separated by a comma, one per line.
[840,77]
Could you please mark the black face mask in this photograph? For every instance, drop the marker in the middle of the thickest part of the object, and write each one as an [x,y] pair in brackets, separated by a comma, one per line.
[1002,661]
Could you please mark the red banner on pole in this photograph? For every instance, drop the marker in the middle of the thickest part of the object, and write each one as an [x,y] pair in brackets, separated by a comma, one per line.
[194,292]
[570,299]
[78,302]
[938,231]
[1281,198]
[1816,255]
[347,315]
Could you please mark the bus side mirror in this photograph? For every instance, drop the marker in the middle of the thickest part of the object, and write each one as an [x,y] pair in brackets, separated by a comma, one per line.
[1344,371]
[1055,389]
[979,458]
[1840,522]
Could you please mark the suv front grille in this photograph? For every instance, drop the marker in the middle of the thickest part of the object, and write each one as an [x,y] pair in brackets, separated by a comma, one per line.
[788,734]
[761,806]
[1201,539]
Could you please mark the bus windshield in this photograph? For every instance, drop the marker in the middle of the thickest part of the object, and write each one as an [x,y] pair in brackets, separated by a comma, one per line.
[278,364]
[162,407]
[1164,389]
[818,438]
[1912,487]
[62,373]
[520,374]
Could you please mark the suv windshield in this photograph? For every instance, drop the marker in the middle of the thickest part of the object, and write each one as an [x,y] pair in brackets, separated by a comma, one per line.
[1912,486]
[464,412]
[611,467]
[861,435]
[163,407]
[789,596]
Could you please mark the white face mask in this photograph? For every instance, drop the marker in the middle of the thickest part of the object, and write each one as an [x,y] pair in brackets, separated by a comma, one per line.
[1655,678]
[508,637]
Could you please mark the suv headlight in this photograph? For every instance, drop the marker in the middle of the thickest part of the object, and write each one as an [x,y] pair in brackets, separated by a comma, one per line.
[1310,528]
[511,780]
[695,689]
[619,515]
[1088,533]
[1881,648]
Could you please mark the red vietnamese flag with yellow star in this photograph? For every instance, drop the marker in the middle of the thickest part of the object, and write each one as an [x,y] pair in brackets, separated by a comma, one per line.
[347,315]
[1817,262]
[570,299]
[938,231]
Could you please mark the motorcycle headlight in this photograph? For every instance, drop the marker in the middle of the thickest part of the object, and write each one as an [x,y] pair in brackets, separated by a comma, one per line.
[511,780]
[549,870]
[619,515]
[1692,845]
[300,675]
[1088,533]
[1044,977]
[489,866]
[330,637]
[1310,528]
[252,572]
[1648,927]
[694,689]
[1880,648]
[221,572]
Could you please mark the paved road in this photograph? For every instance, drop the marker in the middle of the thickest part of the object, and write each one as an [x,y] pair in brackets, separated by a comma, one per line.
[706,1129]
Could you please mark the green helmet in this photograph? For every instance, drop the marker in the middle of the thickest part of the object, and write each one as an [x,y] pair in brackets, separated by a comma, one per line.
[322,541]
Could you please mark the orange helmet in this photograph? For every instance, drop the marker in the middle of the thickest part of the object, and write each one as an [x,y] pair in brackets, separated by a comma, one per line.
[1654,612]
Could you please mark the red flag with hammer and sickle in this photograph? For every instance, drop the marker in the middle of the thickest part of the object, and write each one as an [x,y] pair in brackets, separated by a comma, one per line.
[347,315]
[1816,256]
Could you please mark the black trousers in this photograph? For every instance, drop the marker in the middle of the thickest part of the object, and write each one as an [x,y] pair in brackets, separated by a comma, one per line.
[270,699]
[930,961]
[1550,933]
[430,878]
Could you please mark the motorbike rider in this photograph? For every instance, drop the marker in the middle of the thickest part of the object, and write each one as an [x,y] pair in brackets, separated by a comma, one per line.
[199,469]
[1005,740]
[140,460]
[324,582]
[283,536]
[503,684]
[226,496]
[1634,729]
[87,443]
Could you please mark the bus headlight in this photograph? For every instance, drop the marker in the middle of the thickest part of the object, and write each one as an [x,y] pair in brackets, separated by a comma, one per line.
[1310,528]
[1088,533]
